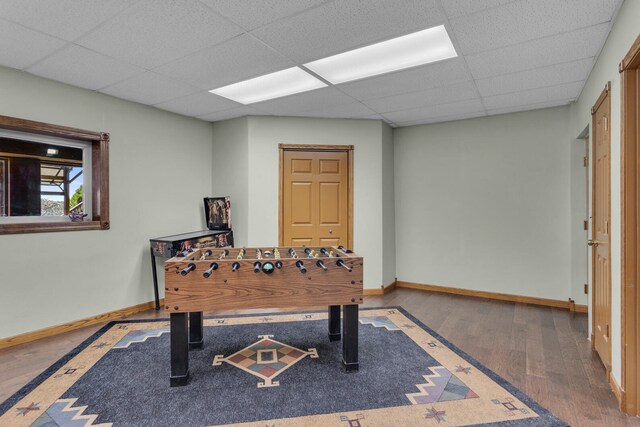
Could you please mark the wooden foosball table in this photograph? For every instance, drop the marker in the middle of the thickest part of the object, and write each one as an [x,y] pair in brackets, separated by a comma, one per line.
[250,278]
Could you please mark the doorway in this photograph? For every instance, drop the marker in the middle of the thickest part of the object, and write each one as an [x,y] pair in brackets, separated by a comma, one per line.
[601,242]
[316,195]
[630,295]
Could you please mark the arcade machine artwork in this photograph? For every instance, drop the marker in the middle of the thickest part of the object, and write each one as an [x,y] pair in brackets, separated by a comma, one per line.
[217,211]
[249,278]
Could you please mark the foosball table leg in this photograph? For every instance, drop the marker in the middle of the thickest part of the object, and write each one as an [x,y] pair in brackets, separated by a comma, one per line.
[195,330]
[334,323]
[179,350]
[350,338]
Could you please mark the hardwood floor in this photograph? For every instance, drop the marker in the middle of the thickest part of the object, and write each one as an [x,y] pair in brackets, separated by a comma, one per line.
[542,351]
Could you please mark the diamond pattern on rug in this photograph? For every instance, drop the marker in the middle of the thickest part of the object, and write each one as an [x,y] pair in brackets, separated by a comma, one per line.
[379,322]
[266,359]
[139,336]
[441,386]
[62,414]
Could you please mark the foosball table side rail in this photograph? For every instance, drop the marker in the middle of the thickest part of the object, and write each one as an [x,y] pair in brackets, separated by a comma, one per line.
[201,280]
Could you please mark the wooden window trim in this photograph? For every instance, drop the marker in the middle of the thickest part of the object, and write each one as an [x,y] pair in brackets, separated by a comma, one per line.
[630,222]
[302,147]
[99,174]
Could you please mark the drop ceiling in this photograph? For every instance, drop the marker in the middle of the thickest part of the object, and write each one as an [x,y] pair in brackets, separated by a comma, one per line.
[513,55]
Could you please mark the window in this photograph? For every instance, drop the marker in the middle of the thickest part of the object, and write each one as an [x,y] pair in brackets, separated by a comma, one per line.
[3,186]
[49,174]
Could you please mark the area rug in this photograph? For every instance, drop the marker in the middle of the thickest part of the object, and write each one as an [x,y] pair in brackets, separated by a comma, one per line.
[273,370]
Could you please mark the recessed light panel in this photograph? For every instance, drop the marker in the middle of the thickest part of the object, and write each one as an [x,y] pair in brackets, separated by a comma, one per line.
[411,50]
[270,86]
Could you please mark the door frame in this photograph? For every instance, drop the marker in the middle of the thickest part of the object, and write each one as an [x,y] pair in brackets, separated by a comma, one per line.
[605,95]
[630,252]
[314,147]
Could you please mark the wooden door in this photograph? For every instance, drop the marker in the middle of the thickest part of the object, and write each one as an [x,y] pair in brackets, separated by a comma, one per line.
[630,227]
[315,198]
[601,254]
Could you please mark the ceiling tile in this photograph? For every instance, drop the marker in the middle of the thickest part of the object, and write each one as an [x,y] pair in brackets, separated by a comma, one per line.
[22,47]
[526,20]
[251,14]
[529,107]
[540,77]
[441,119]
[307,101]
[152,33]
[443,73]
[67,19]
[198,104]
[435,96]
[240,58]
[456,8]
[347,24]
[346,111]
[580,44]
[435,111]
[231,114]
[534,96]
[81,67]
[149,88]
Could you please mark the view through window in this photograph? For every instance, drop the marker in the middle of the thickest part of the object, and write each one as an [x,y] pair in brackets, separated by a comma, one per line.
[40,179]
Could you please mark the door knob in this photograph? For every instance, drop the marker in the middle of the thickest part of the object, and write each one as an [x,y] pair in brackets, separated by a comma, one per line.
[596,242]
[330,231]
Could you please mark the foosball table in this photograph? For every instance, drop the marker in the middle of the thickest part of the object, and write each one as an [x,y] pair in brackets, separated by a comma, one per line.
[250,278]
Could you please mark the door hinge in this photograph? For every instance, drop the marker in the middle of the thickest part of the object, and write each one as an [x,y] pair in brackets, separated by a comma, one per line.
[585,161]
[586,288]
[586,224]
[607,331]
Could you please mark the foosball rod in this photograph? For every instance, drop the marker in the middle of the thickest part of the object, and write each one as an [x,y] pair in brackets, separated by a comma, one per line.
[341,263]
[188,269]
[205,254]
[301,266]
[212,266]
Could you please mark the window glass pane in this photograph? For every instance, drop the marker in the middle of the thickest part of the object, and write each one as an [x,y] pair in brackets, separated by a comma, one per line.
[41,179]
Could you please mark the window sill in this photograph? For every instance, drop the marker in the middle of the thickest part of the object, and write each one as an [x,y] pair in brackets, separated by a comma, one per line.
[41,227]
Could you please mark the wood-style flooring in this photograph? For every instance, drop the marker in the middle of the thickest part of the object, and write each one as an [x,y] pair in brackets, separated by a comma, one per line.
[542,351]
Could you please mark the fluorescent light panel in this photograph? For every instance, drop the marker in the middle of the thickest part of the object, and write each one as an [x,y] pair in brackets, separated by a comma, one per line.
[422,47]
[270,86]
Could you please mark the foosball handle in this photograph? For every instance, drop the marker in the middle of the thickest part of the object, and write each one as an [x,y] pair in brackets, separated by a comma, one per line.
[301,266]
[188,269]
[235,266]
[208,252]
[323,251]
[278,265]
[207,273]
[345,250]
[320,264]
[256,267]
[307,250]
[341,263]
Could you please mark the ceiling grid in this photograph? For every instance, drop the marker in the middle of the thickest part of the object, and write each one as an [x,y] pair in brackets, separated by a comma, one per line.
[513,55]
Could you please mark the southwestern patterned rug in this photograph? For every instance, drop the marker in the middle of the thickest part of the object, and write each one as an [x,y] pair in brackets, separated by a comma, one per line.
[273,370]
